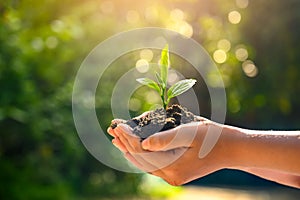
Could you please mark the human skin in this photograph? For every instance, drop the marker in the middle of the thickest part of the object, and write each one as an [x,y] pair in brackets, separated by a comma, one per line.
[174,154]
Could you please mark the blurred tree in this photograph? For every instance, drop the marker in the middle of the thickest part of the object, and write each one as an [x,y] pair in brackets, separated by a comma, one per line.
[42,43]
[272,29]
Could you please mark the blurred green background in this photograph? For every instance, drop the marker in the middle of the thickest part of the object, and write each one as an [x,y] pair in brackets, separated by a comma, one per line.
[255,45]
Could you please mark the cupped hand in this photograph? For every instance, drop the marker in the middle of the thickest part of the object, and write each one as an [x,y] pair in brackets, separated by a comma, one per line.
[174,154]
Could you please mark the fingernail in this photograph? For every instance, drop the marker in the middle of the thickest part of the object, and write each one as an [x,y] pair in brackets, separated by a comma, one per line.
[114,143]
[145,144]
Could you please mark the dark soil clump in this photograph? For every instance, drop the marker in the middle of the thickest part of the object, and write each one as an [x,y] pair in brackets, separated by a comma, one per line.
[160,120]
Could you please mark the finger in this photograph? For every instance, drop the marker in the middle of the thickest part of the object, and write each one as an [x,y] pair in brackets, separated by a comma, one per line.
[131,156]
[119,145]
[118,121]
[143,165]
[139,162]
[181,136]
[131,159]
[151,161]
[133,141]
[111,132]
[162,159]
[115,122]
[124,141]
[133,145]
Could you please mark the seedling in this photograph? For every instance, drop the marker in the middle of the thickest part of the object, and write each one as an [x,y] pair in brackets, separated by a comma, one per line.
[161,85]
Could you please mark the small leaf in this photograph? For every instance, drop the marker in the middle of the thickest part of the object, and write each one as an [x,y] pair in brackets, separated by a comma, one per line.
[180,87]
[164,64]
[158,78]
[150,83]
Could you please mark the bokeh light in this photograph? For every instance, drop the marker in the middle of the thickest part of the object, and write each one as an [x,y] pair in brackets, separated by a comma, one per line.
[37,44]
[146,54]
[242,3]
[220,56]
[151,14]
[135,104]
[152,97]
[172,77]
[182,27]
[177,23]
[249,68]
[177,14]
[142,65]
[224,44]
[57,26]
[241,54]
[51,42]
[234,17]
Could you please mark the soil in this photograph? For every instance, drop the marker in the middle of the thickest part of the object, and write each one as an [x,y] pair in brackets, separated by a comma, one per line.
[159,120]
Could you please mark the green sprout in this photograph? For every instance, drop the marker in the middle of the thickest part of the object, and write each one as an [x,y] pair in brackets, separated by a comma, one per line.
[161,85]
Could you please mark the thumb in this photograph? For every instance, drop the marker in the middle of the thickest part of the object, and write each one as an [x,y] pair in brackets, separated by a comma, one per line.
[181,136]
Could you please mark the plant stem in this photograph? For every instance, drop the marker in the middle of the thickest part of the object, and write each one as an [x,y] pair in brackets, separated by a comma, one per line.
[163,99]
[165,103]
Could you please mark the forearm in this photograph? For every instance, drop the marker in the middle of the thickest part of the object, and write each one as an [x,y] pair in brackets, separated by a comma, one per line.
[276,176]
[272,150]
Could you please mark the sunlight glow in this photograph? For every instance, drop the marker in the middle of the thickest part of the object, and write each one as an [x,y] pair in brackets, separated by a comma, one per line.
[220,56]
[132,16]
[182,27]
[234,17]
[151,14]
[142,66]
[177,14]
[178,24]
[107,7]
[186,29]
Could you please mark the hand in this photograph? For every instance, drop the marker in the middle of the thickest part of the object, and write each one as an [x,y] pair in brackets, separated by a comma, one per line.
[172,155]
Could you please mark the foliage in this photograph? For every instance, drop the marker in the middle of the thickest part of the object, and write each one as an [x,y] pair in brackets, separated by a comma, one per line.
[42,157]
[42,43]
[161,85]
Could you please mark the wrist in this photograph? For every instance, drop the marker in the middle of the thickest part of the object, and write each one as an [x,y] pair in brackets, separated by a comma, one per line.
[230,146]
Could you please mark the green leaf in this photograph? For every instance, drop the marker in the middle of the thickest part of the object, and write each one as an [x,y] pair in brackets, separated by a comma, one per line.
[158,78]
[164,64]
[150,83]
[180,87]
